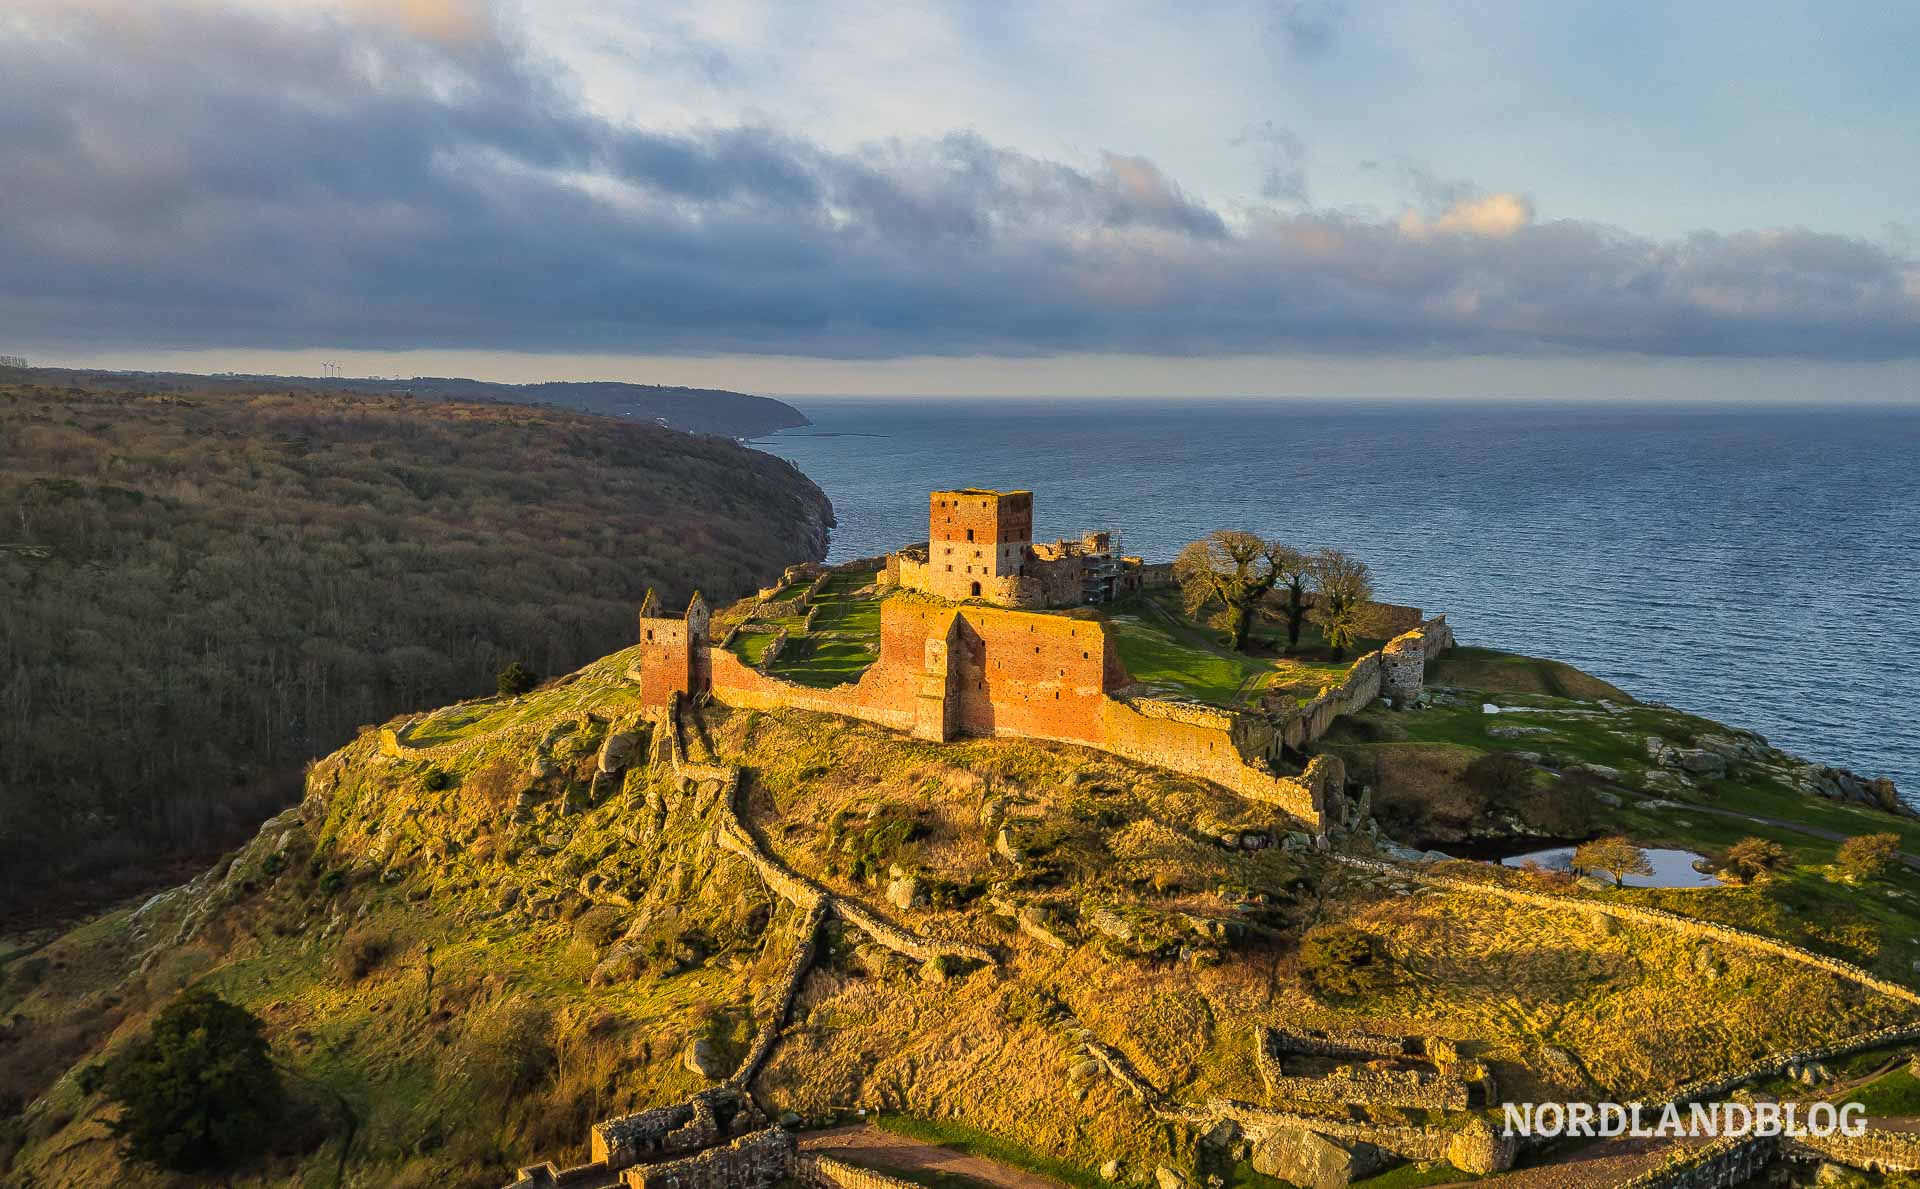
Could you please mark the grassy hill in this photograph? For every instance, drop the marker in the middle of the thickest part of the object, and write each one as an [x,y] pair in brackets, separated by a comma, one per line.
[200,590]
[477,936]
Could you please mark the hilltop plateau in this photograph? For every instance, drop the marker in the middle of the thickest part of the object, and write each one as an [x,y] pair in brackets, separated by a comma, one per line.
[488,928]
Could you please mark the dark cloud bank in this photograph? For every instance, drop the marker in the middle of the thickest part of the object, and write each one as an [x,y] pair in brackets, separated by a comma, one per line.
[186,177]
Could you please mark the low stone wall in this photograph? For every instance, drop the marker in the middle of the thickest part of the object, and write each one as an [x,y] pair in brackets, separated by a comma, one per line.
[1339,1044]
[1376,1087]
[1651,916]
[757,1161]
[1876,1149]
[1410,1143]
[1717,1165]
[824,1172]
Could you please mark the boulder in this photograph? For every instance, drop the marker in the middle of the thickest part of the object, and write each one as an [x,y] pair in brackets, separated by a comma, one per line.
[1660,780]
[1702,762]
[1109,922]
[1169,1178]
[903,890]
[1110,1171]
[1313,1161]
[618,751]
[1037,922]
[703,1057]
[1479,1149]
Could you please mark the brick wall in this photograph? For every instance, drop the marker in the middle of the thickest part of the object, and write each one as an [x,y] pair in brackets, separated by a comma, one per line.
[946,671]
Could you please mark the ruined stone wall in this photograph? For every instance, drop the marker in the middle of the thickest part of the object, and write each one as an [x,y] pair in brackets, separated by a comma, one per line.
[824,1172]
[1397,670]
[1876,1149]
[1720,1164]
[1411,1143]
[756,1161]
[1155,732]
[1301,725]
[1376,1087]
[1339,1044]
[944,671]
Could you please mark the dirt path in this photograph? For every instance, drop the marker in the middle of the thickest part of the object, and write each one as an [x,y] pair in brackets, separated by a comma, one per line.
[866,1145]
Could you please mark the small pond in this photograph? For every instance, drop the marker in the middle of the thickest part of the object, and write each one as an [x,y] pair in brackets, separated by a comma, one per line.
[1671,868]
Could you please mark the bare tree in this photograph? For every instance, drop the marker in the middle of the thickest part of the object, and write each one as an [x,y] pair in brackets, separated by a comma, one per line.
[1296,582]
[1343,607]
[1234,569]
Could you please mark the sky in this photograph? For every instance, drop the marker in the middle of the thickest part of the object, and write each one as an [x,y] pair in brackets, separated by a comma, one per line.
[1251,197]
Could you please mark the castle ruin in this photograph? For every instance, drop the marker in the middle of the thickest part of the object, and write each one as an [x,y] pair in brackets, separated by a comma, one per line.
[983,634]
[980,546]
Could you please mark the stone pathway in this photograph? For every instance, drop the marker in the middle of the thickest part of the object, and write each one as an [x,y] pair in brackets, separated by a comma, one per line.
[870,1147]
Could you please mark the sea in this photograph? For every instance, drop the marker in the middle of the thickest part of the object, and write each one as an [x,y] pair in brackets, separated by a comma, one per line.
[1757,565]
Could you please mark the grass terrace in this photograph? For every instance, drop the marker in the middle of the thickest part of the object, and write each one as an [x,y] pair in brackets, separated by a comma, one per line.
[1175,655]
[842,642]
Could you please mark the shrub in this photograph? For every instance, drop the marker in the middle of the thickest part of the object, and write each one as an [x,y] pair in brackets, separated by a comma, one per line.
[597,926]
[1615,855]
[1751,858]
[1869,855]
[362,949]
[1499,776]
[1342,960]
[436,779]
[199,1090]
[515,679]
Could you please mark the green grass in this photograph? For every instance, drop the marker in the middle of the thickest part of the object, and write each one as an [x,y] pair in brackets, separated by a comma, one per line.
[823,663]
[1409,1176]
[1896,1093]
[975,1142]
[750,645]
[1169,664]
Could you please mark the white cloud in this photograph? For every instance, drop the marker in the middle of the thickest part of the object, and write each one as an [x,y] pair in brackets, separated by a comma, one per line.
[1495,216]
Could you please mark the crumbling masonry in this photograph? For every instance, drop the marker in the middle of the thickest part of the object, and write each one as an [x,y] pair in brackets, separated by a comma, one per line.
[957,666]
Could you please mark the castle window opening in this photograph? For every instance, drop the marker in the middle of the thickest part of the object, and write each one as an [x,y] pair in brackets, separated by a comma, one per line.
[970,537]
[649,635]
[976,587]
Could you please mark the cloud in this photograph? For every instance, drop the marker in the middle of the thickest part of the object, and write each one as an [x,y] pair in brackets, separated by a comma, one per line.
[1495,216]
[1308,26]
[284,176]
[1282,156]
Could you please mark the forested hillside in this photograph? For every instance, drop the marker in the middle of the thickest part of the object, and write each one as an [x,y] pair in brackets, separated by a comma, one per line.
[201,590]
[695,410]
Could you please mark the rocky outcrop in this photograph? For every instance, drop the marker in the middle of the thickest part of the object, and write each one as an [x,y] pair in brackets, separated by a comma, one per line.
[1314,1161]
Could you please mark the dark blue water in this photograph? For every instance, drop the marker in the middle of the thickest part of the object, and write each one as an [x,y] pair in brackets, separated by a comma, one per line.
[1761,567]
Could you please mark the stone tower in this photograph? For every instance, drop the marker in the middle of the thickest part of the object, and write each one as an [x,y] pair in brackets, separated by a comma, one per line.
[673,650]
[978,542]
